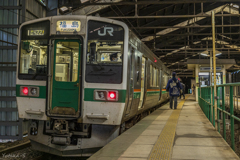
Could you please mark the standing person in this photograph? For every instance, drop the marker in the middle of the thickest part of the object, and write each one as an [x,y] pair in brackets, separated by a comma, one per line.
[173,86]
[193,89]
[183,91]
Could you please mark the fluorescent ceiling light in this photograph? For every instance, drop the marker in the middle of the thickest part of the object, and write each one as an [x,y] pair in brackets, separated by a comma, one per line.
[83,1]
[206,53]
[63,8]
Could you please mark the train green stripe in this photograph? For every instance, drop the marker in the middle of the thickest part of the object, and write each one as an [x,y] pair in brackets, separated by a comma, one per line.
[89,95]
[149,93]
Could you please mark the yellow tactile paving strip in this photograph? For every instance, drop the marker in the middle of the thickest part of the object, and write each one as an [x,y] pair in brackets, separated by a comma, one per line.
[163,147]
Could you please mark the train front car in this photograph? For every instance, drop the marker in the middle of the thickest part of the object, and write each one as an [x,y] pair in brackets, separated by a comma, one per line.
[70,83]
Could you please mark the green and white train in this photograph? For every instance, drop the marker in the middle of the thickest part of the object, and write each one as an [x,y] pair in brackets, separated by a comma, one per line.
[82,80]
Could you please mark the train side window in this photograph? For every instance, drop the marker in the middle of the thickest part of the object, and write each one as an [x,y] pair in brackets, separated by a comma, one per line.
[138,68]
[154,77]
[157,77]
[138,62]
[151,75]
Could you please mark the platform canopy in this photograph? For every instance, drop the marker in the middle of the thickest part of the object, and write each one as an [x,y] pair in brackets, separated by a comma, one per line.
[175,30]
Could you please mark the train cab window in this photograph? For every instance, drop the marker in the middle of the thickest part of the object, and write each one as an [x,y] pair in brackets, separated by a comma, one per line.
[66,61]
[33,57]
[33,51]
[104,53]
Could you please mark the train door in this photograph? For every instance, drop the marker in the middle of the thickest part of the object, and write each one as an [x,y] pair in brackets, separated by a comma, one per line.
[65,82]
[142,83]
[160,83]
[130,88]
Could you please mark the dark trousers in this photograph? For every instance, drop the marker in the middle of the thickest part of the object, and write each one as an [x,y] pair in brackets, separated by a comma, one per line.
[175,102]
[183,95]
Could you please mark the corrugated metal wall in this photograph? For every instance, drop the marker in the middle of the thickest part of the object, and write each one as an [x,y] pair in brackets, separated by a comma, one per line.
[12,14]
[34,10]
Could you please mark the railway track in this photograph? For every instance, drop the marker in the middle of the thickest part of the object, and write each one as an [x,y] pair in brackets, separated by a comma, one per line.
[16,147]
[46,156]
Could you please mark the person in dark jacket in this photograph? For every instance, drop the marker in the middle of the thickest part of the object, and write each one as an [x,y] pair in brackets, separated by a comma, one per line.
[174,87]
[183,91]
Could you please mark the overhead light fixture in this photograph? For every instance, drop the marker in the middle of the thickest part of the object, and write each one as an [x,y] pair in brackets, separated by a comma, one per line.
[63,8]
[83,1]
[217,53]
[207,53]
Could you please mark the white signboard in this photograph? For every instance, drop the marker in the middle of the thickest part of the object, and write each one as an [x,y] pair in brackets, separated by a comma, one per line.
[68,26]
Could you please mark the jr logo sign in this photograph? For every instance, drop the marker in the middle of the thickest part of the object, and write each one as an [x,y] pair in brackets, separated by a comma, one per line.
[106,29]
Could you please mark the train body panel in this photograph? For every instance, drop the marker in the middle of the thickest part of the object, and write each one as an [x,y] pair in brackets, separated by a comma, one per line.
[81,79]
[105,113]
[36,111]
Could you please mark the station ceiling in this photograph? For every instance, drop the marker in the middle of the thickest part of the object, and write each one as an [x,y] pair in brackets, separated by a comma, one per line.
[175,30]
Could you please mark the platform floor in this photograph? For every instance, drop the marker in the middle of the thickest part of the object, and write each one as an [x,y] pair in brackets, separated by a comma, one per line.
[179,134]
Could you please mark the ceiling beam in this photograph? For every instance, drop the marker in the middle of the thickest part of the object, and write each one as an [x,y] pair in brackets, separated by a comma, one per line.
[191,26]
[185,76]
[199,49]
[192,21]
[181,53]
[174,40]
[159,2]
[173,16]
[192,34]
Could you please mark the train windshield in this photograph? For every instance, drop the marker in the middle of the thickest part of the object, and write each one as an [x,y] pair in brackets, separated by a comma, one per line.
[33,51]
[104,53]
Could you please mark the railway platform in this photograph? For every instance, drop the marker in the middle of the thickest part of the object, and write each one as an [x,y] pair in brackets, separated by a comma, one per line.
[184,133]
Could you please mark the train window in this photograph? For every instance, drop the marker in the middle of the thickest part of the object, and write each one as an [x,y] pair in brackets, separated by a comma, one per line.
[151,75]
[33,57]
[66,61]
[33,51]
[157,78]
[104,53]
[138,62]
[165,80]
[154,77]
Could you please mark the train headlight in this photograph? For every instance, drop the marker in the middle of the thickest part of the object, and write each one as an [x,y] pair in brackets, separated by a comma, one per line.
[34,91]
[100,95]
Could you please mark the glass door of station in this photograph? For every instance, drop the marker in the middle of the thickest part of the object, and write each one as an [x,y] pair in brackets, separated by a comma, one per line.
[204,78]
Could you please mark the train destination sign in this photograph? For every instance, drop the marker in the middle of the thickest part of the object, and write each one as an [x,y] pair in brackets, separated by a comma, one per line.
[35,32]
[68,26]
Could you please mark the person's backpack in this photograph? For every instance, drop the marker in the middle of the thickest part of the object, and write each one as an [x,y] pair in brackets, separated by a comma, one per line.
[174,86]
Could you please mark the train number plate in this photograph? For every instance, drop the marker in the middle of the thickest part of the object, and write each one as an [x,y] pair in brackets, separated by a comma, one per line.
[35,32]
